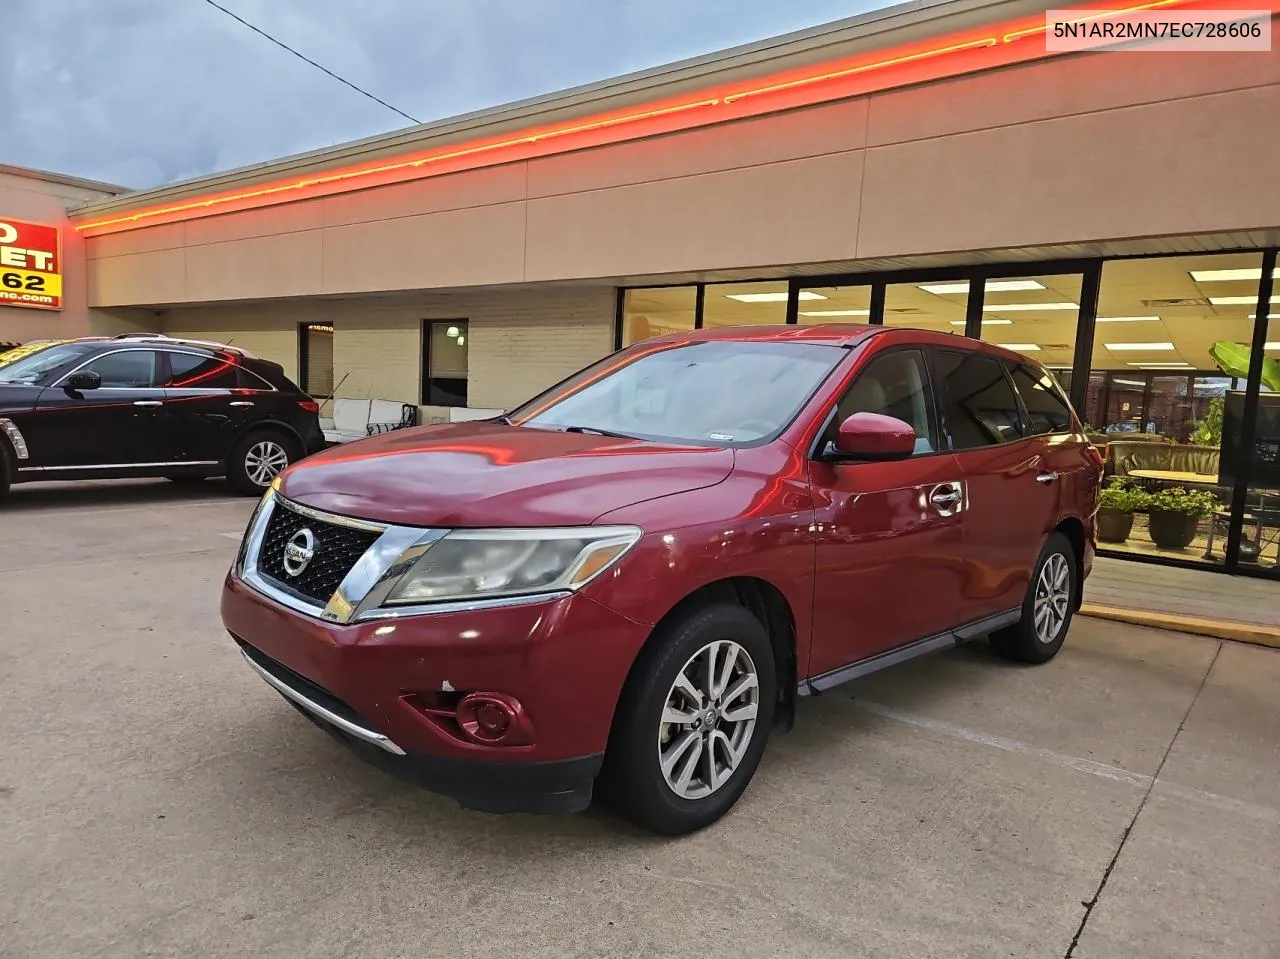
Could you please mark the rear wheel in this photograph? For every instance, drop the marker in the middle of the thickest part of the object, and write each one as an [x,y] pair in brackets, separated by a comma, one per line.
[6,468]
[258,458]
[693,721]
[1047,609]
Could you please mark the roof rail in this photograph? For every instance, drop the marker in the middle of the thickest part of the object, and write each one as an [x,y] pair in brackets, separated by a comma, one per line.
[163,338]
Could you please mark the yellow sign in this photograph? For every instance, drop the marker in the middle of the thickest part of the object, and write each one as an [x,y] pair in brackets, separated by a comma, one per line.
[30,265]
[18,352]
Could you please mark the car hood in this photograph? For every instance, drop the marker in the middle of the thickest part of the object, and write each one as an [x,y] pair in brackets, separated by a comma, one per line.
[18,397]
[487,474]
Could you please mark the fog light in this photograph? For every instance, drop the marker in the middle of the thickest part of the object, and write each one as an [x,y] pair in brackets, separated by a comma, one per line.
[494,719]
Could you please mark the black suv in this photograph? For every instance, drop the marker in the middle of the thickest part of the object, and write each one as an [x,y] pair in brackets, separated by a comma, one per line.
[149,405]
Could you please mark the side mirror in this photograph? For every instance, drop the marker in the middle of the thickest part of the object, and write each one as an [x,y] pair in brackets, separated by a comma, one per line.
[85,380]
[874,436]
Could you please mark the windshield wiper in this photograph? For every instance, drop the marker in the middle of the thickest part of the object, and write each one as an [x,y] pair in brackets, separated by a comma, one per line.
[597,431]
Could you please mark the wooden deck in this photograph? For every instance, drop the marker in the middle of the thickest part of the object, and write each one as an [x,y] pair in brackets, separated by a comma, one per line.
[1184,592]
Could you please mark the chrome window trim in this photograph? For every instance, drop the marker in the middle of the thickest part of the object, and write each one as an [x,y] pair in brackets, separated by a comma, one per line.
[266,387]
[360,595]
[97,356]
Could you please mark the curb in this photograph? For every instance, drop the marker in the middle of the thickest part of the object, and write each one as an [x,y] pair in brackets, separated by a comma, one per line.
[1216,628]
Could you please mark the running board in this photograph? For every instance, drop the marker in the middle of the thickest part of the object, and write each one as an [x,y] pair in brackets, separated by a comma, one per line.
[921,647]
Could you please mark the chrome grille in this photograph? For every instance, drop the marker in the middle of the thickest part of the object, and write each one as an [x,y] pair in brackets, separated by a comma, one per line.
[337,549]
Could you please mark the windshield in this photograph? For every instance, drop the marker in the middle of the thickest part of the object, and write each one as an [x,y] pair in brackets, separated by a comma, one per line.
[35,368]
[722,392]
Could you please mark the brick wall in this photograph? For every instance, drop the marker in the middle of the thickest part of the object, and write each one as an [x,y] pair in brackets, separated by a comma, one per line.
[519,342]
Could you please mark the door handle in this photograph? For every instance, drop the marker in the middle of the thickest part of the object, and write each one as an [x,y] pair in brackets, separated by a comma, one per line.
[945,497]
[242,403]
[1046,478]
[148,402]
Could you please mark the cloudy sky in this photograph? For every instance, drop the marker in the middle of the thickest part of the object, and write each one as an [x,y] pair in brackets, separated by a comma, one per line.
[143,92]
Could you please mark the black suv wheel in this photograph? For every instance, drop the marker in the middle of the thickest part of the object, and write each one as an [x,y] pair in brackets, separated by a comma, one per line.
[258,458]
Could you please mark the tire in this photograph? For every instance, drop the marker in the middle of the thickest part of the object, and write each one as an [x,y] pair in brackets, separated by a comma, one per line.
[6,468]
[632,778]
[1052,588]
[245,470]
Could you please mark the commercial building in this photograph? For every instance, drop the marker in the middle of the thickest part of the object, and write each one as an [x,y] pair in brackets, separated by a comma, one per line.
[931,165]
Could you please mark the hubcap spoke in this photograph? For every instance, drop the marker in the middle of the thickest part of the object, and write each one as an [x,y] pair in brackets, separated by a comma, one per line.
[680,717]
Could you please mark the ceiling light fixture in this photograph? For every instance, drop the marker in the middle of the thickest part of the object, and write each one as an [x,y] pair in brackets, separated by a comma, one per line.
[984,322]
[1270,316]
[1121,382]
[1140,347]
[1128,319]
[772,297]
[995,286]
[1223,276]
[835,312]
[1162,366]
[1028,307]
[1238,300]
[1020,347]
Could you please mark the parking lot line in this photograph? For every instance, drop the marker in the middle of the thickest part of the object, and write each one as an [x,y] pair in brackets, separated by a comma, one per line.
[1078,763]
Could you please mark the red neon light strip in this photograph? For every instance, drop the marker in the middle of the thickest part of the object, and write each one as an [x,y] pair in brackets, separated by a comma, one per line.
[866,68]
[1033,31]
[707,102]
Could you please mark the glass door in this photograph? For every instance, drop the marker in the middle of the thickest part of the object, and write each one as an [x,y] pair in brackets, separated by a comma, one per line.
[1251,438]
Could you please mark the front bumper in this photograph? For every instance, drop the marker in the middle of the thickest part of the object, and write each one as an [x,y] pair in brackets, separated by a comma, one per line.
[564,658]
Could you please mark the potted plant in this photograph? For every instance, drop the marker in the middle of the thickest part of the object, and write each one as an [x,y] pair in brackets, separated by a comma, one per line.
[1174,515]
[1208,431]
[1117,503]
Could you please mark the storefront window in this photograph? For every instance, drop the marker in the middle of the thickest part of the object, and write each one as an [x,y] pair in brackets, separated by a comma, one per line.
[938,306]
[834,304]
[444,373]
[749,304]
[315,359]
[1260,522]
[657,311]
[1171,348]
[1035,315]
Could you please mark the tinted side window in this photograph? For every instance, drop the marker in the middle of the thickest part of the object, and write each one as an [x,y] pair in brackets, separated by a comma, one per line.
[134,369]
[192,372]
[981,408]
[894,384]
[1046,409]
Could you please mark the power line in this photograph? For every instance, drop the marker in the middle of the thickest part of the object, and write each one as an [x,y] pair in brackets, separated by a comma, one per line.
[285,46]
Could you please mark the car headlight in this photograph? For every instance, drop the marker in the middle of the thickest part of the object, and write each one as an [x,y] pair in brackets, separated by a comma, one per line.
[242,555]
[488,563]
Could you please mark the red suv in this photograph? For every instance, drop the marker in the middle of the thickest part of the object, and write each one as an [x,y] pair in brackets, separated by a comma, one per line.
[625,584]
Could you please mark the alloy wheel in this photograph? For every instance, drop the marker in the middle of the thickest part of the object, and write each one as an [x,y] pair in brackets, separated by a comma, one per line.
[708,719]
[264,461]
[1053,598]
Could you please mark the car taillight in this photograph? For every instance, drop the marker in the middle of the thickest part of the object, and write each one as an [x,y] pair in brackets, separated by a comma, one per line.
[311,406]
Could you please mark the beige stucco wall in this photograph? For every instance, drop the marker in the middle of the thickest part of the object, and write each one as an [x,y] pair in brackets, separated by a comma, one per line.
[38,200]
[519,342]
[1077,149]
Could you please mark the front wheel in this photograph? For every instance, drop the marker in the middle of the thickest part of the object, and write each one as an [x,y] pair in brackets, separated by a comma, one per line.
[1047,609]
[259,458]
[693,721]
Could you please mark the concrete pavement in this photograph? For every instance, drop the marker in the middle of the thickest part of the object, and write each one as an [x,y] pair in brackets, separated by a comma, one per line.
[158,799]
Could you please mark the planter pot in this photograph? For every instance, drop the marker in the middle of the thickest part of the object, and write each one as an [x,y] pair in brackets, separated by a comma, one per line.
[1114,525]
[1172,530]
